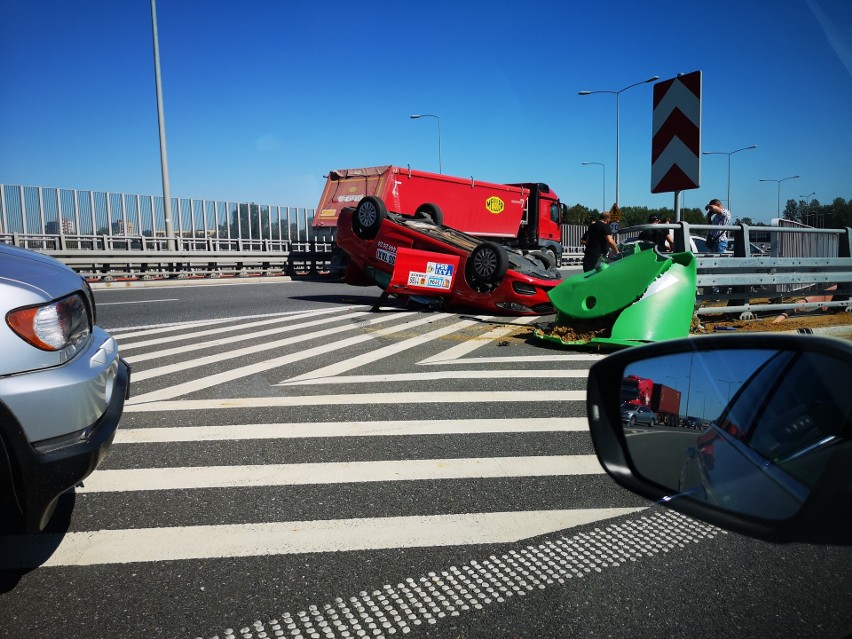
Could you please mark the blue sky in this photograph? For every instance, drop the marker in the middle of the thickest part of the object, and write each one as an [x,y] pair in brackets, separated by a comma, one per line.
[263,98]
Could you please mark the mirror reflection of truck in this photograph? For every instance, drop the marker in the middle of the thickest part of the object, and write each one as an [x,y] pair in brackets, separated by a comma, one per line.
[524,216]
[663,400]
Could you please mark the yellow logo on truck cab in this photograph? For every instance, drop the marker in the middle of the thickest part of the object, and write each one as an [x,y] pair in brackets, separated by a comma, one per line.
[494,204]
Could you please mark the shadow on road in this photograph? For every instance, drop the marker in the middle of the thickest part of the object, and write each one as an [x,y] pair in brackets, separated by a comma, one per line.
[20,554]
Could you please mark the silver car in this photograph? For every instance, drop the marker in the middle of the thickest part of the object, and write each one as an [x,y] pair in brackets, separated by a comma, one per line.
[62,386]
[631,414]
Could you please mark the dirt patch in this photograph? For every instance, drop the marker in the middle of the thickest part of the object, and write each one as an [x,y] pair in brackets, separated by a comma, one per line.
[767,322]
[578,330]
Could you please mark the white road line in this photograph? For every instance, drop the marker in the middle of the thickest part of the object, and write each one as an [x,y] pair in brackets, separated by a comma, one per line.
[157,329]
[291,537]
[151,402]
[234,335]
[402,378]
[465,348]
[255,475]
[171,299]
[205,382]
[234,432]
[235,332]
[382,353]
[511,359]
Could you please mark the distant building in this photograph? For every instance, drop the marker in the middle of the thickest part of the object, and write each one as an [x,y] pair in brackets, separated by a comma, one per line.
[122,227]
[52,227]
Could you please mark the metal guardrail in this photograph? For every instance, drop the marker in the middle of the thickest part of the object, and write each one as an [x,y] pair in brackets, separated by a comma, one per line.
[802,263]
[109,258]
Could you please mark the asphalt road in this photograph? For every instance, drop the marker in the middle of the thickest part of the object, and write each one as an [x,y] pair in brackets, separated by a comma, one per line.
[293,465]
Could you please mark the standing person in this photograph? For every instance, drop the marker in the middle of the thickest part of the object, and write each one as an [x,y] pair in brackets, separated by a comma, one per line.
[717,241]
[598,242]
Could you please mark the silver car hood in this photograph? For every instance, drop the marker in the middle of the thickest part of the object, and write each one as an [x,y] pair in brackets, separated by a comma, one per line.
[44,277]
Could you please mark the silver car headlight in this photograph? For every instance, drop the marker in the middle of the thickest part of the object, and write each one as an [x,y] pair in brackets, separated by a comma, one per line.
[62,325]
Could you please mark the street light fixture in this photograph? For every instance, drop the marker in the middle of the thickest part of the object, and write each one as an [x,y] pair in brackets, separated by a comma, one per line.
[792,177]
[601,164]
[617,124]
[807,199]
[729,154]
[429,115]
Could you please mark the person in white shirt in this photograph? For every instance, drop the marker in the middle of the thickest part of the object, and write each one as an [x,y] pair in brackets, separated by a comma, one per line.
[717,241]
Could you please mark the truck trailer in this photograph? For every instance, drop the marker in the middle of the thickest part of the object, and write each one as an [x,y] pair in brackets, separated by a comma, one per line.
[525,216]
[665,401]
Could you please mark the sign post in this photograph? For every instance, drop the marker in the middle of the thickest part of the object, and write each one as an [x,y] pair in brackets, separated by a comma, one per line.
[676,141]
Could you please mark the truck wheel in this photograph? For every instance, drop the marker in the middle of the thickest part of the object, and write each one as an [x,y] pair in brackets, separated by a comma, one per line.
[431,213]
[545,258]
[487,264]
[368,217]
[553,258]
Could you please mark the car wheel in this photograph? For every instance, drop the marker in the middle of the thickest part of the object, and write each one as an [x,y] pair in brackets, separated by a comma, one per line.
[632,421]
[487,264]
[369,214]
[652,423]
[430,213]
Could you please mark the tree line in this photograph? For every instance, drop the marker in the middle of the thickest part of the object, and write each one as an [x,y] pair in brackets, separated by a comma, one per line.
[837,214]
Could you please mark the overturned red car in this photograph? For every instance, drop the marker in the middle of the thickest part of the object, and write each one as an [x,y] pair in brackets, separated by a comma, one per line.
[417,256]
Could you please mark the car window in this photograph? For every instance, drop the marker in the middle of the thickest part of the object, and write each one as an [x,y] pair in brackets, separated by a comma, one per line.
[700,245]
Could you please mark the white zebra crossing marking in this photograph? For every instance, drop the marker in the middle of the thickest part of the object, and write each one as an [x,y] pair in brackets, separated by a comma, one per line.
[292,537]
[150,402]
[349,429]
[142,479]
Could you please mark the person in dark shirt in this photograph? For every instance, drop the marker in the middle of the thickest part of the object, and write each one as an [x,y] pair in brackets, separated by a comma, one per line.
[598,242]
[661,238]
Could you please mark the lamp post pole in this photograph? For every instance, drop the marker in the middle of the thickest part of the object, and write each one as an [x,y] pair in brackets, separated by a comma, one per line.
[618,124]
[778,207]
[161,118]
[603,166]
[729,154]
[430,115]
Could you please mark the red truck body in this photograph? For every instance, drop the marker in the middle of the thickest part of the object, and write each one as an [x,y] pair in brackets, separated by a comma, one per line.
[663,400]
[525,216]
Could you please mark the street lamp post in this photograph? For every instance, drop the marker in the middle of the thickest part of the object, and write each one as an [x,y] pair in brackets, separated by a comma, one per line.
[729,154]
[164,157]
[617,124]
[429,115]
[807,199]
[730,383]
[792,177]
[603,166]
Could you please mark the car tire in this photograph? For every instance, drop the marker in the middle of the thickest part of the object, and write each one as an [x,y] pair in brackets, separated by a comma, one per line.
[652,423]
[486,264]
[430,213]
[632,421]
[368,217]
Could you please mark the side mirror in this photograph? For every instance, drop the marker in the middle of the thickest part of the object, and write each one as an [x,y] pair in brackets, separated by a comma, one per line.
[562,216]
[747,432]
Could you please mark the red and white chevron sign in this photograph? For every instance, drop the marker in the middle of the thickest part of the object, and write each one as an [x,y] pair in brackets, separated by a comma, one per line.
[676,145]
